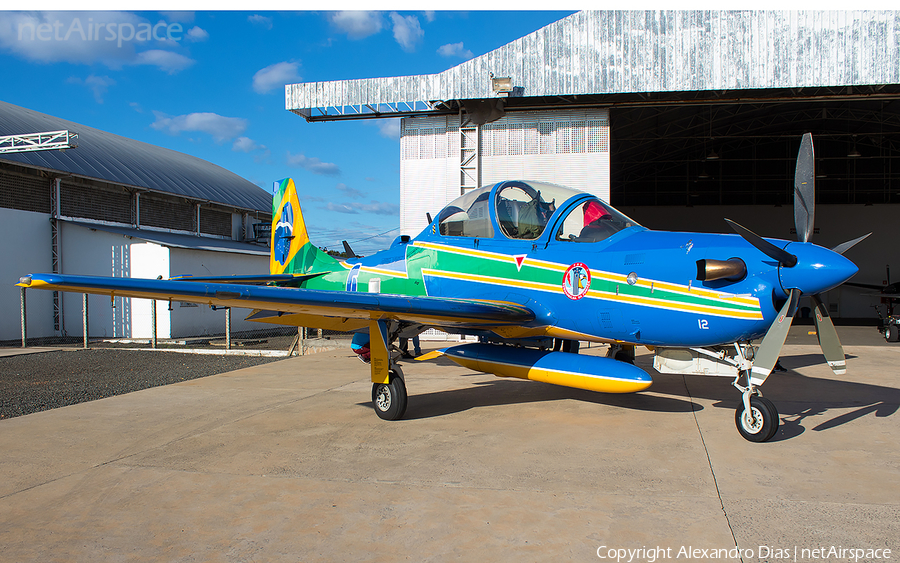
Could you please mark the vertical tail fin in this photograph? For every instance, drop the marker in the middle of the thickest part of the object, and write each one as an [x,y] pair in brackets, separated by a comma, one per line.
[291,252]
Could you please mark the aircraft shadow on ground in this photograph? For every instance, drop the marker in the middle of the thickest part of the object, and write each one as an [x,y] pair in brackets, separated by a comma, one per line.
[796,396]
[799,397]
[510,392]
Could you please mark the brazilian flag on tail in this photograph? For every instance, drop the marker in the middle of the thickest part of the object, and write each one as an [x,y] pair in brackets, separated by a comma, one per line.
[291,252]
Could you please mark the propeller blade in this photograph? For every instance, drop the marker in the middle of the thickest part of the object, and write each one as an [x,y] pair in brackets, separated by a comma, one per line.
[805,189]
[770,348]
[845,246]
[764,246]
[828,339]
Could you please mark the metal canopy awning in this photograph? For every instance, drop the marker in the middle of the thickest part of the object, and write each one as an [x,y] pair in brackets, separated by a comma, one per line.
[643,56]
[177,240]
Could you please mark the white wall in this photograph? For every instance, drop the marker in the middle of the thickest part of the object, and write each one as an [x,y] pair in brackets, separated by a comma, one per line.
[24,249]
[835,224]
[201,320]
[567,147]
[149,261]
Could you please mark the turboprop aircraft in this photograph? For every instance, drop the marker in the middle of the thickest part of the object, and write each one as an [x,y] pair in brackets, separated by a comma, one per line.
[523,264]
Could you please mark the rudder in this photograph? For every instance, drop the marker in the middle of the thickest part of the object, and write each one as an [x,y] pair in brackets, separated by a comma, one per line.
[291,252]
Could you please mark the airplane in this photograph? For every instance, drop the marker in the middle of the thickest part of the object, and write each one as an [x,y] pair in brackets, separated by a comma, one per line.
[889,295]
[531,269]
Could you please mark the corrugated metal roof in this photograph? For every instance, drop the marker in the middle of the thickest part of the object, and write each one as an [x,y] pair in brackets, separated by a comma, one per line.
[176,240]
[120,160]
[607,52]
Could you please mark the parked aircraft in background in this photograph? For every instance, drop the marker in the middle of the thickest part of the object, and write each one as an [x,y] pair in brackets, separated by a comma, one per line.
[525,264]
[889,293]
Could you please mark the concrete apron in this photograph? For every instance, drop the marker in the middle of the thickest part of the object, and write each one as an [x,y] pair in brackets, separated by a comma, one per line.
[287,462]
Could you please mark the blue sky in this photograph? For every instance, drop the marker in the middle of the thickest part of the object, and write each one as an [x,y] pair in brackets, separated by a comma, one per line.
[210,84]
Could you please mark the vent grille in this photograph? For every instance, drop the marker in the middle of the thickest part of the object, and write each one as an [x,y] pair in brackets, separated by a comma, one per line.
[509,137]
[24,193]
[92,203]
[213,222]
[175,215]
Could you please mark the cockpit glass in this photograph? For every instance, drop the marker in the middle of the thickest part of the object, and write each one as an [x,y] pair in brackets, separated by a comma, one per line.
[592,221]
[468,215]
[524,208]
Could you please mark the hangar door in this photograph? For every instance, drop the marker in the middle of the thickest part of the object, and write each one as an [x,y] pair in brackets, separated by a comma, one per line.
[440,160]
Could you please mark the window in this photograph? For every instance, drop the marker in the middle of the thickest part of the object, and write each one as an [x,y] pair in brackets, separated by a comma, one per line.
[468,215]
[592,221]
[525,208]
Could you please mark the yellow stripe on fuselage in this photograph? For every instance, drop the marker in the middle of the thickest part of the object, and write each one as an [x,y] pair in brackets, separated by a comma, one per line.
[602,295]
[599,274]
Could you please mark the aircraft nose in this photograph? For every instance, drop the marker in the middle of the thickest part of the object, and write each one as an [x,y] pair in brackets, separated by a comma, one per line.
[818,269]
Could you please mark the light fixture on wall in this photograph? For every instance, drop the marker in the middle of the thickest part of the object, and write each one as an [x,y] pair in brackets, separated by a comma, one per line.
[501,84]
[712,156]
[853,153]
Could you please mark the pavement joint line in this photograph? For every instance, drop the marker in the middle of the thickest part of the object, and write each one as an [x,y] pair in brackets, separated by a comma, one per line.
[712,471]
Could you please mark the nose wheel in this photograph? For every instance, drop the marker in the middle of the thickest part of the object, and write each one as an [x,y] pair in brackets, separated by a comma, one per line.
[759,422]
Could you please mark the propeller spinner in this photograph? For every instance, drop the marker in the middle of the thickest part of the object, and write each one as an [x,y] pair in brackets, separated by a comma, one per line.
[804,268]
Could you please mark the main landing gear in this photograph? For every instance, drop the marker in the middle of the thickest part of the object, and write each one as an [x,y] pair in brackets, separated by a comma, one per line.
[389,399]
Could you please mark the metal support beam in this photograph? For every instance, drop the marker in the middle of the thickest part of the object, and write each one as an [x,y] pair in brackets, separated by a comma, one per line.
[153,323]
[469,156]
[48,140]
[56,253]
[84,317]
[227,328]
[24,323]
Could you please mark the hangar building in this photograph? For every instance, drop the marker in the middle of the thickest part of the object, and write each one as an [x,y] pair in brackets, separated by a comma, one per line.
[679,118]
[114,206]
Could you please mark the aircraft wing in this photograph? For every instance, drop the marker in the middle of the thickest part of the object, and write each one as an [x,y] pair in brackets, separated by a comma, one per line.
[437,311]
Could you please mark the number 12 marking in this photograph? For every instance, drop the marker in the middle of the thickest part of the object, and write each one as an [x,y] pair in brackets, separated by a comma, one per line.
[703,323]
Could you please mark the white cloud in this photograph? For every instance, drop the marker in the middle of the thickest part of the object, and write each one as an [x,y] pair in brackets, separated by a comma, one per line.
[341,208]
[221,128]
[454,50]
[97,84]
[263,21]
[355,207]
[313,164]
[164,60]
[246,144]
[275,76]
[429,15]
[181,17]
[109,38]
[349,192]
[388,128]
[66,36]
[197,34]
[357,24]
[407,31]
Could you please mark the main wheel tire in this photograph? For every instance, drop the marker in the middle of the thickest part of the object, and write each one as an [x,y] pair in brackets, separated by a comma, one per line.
[389,400]
[762,424]
[892,333]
